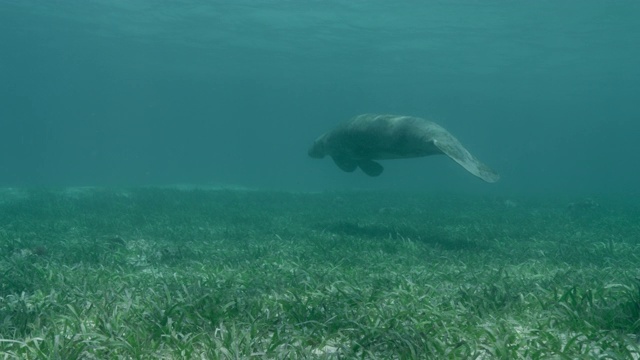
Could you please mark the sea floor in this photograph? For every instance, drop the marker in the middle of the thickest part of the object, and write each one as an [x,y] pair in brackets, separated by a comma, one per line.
[188,273]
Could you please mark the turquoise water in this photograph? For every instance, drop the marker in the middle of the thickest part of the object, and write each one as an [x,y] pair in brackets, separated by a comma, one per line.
[243,246]
[233,92]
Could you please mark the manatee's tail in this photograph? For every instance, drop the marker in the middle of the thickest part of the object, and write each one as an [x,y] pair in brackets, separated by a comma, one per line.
[454,149]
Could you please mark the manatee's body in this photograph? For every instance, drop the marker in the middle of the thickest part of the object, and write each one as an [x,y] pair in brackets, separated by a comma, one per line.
[365,138]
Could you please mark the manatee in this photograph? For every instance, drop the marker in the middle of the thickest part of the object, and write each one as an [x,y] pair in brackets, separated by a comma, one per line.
[360,141]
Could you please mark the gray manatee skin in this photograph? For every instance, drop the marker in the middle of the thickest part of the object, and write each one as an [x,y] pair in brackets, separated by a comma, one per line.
[358,142]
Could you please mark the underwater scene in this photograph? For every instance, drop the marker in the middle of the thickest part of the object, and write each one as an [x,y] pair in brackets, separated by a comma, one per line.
[219,274]
[319,179]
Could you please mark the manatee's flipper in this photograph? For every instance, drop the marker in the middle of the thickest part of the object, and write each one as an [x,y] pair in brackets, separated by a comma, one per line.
[454,149]
[370,167]
[345,164]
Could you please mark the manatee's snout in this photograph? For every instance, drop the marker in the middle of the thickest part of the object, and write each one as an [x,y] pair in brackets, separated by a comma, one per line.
[316,150]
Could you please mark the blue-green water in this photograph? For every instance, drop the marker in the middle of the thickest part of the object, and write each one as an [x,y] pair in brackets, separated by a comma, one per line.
[101,97]
[233,92]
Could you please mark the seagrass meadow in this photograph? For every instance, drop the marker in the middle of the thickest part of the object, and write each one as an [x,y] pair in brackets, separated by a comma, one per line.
[167,273]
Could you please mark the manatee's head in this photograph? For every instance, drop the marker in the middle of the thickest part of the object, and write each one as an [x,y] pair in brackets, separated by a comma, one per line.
[318,149]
